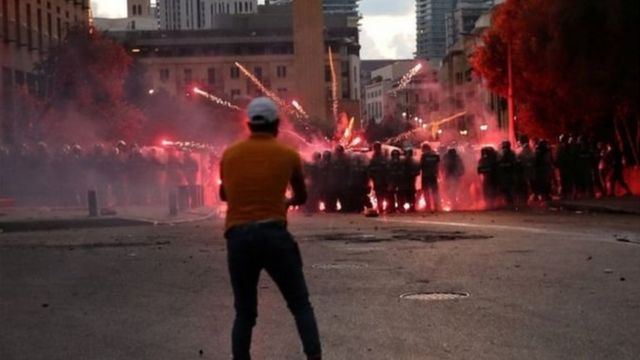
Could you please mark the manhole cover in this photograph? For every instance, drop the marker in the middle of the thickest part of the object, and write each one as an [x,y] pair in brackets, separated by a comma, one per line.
[434,296]
[346,266]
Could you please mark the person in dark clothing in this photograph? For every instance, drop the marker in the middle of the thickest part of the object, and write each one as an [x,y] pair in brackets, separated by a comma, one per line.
[358,187]
[429,166]
[396,174]
[378,173]
[524,170]
[407,186]
[340,168]
[583,168]
[454,170]
[564,163]
[507,163]
[543,171]
[314,176]
[617,171]
[327,184]
[488,169]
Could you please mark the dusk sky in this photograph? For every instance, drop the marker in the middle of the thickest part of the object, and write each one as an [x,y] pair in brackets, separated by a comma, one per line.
[387,31]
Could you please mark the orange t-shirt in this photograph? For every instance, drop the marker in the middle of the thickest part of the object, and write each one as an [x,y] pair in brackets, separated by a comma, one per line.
[255,174]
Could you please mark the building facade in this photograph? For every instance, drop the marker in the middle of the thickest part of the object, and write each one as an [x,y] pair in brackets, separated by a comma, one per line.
[28,29]
[431,28]
[462,19]
[141,15]
[377,94]
[175,62]
[200,14]
[342,7]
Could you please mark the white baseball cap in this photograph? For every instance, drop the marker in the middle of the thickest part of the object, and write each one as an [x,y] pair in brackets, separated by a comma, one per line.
[262,110]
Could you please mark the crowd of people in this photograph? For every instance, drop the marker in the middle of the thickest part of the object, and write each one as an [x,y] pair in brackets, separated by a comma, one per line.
[470,178]
[121,174]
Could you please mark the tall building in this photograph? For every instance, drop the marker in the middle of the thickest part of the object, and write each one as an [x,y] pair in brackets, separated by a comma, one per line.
[345,7]
[200,14]
[28,29]
[431,33]
[462,19]
[141,15]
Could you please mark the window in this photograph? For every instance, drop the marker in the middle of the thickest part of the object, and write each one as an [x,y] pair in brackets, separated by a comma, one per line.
[211,75]
[235,93]
[235,72]
[133,10]
[164,75]
[188,75]
[39,25]
[281,71]
[258,72]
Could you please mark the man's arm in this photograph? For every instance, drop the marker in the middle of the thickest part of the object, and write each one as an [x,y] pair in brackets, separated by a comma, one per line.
[298,186]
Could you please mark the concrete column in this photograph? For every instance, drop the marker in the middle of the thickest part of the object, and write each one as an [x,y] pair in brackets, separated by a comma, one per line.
[309,49]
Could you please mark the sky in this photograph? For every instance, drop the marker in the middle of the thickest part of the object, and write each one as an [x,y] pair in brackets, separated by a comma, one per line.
[388,27]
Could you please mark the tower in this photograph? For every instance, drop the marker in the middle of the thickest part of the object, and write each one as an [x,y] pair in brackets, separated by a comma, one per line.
[308,43]
[139,8]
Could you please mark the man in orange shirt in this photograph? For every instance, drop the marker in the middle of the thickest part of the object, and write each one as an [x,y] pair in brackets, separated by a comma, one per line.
[255,174]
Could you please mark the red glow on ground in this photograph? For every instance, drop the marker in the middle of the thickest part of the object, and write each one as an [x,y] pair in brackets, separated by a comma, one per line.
[166,142]
[422,203]
[321,206]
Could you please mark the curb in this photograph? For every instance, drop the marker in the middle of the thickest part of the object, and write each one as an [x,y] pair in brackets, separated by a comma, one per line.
[89,223]
[595,208]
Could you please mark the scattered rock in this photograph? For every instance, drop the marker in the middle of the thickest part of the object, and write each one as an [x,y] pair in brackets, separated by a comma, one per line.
[623,279]
[589,258]
[201,352]
[45,305]
[621,239]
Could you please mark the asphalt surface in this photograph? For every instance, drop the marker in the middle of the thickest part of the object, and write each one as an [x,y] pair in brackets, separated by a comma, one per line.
[541,285]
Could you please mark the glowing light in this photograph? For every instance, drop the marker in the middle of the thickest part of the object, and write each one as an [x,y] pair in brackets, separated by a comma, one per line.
[356,141]
[166,142]
[385,205]
[334,87]
[299,108]
[424,126]
[446,208]
[439,131]
[406,206]
[270,94]
[406,78]
[346,136]
[422,203]
[338,205]
[215,99]
[219,182]
[321,206]
[151,91]
[136,50]
[484,127]
[464,132]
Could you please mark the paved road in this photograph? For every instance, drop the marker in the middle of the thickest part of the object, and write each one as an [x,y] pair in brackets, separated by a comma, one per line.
[542,285]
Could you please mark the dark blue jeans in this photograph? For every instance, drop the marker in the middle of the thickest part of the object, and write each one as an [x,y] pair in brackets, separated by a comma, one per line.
[268,246]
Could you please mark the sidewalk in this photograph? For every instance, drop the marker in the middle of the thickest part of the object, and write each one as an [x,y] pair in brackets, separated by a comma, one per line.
[48,218]
[616,205]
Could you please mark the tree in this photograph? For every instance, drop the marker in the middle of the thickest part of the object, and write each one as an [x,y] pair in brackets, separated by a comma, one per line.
[575,62]
[84,80]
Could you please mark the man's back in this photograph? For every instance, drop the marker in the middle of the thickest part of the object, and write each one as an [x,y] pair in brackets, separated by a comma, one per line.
[255,173]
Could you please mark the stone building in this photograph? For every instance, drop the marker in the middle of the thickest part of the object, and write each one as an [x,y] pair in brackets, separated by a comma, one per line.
[28,29]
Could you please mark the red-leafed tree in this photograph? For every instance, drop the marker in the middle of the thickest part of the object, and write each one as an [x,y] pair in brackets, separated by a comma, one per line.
[575,63]
[84,81]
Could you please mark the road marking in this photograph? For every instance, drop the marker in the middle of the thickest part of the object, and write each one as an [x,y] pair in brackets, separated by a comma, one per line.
[587,233]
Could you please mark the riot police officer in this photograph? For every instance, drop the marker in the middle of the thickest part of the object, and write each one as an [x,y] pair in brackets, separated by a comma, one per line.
[507,163]
[378,173]
[488,169]
[429,166]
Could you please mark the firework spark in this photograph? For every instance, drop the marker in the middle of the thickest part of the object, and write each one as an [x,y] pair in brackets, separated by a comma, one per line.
[406,78]
[435,124]
[270,94]
[298,107]
[334,88]
[215,99]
